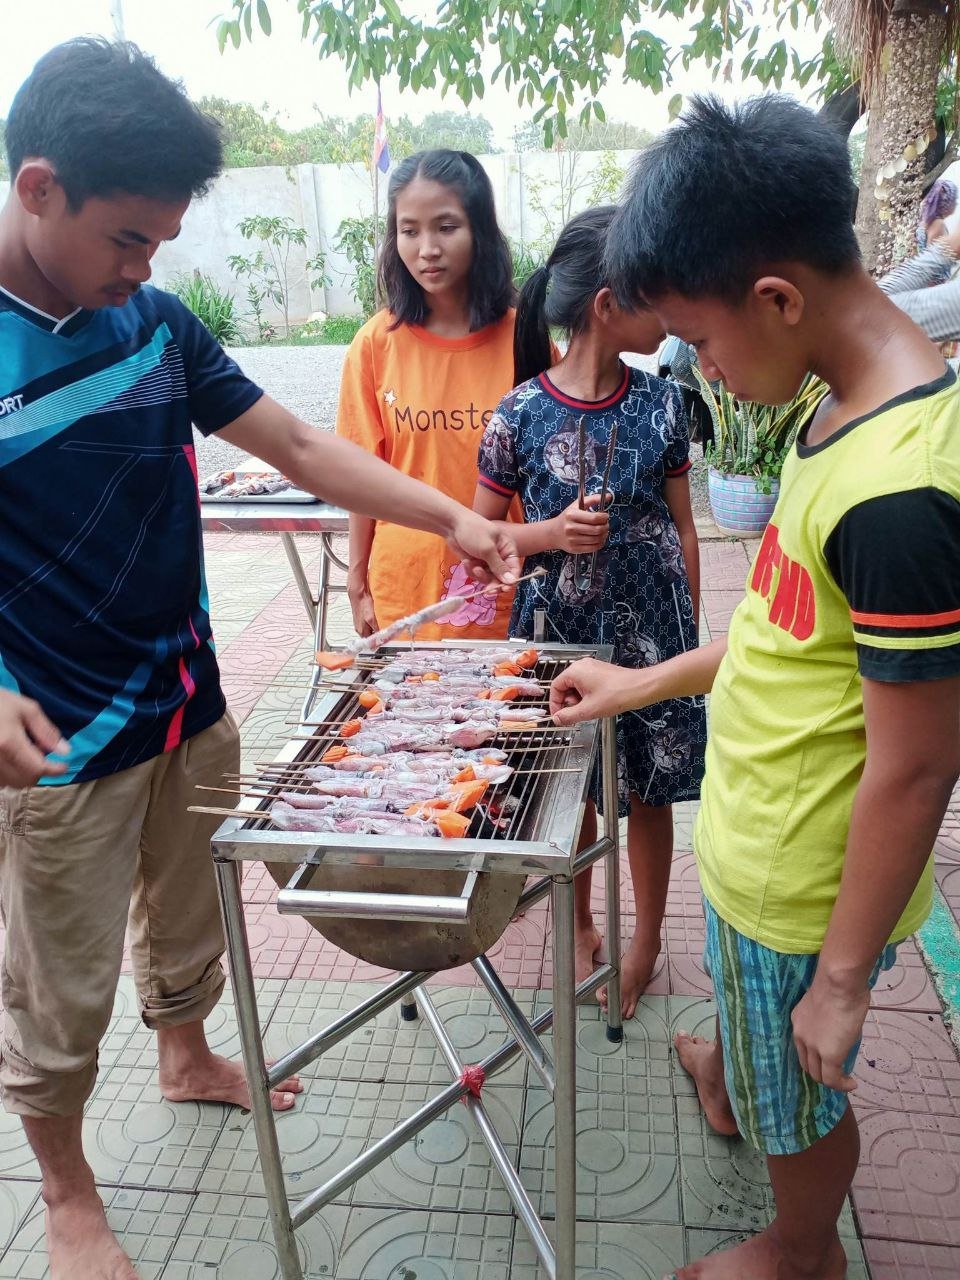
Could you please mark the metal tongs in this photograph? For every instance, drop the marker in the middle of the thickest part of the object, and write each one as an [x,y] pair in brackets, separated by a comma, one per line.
[585,566]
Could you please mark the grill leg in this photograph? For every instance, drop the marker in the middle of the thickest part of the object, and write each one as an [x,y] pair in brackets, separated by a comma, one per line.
[408,1007]
[611,871]
[565,1063]
[245,997]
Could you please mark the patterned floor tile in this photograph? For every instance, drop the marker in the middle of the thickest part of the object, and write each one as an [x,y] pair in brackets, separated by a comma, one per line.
[626,1156]
[948,877]
[276,942]
[17,1199]
[388,1048]
[908,1063]
[145,1222]
[899,1260]
[444,1167]
[684,897]
[907,985]
[639,1064]
[383,1244]
[725,1183]
[908,1184]
[609,1251]
[701,1244]
[517,955]
[685,936]
[228,1237]
[321,961]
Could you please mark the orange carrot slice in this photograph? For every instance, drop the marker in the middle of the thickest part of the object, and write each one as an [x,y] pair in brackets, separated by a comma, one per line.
[429,676]
[350,727]
[483,695]
[367,698]
[334,661]
[464,795]
[452,826]
[333,754]
[504,695]
[465,775]
[506,669]
[527,659]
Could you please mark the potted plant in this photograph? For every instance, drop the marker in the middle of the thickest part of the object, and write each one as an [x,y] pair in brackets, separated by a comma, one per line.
[745,458]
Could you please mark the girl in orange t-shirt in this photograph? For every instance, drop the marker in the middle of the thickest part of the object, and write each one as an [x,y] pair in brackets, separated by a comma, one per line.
[421,380]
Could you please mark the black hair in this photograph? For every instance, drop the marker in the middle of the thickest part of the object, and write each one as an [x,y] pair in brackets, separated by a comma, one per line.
[491,289]
[560,292]
[109,122]
[727,191]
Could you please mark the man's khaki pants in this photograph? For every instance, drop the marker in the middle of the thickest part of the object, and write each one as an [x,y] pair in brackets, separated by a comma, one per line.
[77,863]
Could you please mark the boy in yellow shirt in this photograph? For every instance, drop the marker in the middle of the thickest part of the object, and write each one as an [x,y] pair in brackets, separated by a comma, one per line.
[834,735]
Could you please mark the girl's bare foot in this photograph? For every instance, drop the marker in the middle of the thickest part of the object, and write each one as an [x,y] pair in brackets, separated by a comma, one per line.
[586,944]
[636,969]
[216,1079]
[80,1244]
[703,1062]
[762,1258]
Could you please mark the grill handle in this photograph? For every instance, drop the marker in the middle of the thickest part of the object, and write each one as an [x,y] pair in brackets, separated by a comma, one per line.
[378,906]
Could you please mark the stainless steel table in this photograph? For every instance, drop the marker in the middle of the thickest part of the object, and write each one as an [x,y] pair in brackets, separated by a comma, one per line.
[258,515]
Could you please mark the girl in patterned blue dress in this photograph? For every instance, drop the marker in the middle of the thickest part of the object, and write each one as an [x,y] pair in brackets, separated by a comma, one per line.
[645,574]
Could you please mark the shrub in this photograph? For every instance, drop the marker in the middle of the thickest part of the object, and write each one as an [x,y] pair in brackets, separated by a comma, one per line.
[213,306]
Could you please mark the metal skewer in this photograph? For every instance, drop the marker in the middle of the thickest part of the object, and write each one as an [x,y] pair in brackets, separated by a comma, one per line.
[611,449]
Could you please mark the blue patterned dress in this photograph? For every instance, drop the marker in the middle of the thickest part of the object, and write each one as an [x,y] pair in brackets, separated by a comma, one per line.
[639,597]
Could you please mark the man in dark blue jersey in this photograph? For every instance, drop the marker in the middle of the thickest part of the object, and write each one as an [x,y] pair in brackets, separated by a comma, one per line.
[111,709]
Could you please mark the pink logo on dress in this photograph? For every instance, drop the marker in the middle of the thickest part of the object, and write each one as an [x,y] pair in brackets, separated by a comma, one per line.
[478,612]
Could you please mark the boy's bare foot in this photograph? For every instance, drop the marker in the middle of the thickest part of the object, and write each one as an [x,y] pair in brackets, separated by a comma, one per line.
[703,1062]
[761,1258]
[636,969]
[586,944]
[81,1245]
[217,1079]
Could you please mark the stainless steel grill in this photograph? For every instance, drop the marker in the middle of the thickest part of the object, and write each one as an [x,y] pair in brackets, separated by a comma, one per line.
[355,888]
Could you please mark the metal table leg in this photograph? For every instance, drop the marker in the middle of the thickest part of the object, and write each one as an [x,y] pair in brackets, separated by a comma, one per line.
[248,1021]
[611,871]
[565,1064]
[299,576]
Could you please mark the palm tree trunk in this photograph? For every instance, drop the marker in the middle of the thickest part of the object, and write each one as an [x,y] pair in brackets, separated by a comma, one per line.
[901,112]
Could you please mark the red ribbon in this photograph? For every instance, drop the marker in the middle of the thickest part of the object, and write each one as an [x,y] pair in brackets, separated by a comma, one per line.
[474,1078]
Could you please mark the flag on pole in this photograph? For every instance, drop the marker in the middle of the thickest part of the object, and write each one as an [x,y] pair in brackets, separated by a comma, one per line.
[381,152]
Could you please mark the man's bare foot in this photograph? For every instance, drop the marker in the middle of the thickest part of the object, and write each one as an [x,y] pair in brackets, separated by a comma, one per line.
[703,1062]
[216,1079]
[586,944]
[761,1258]
[636,968]
[81,1245]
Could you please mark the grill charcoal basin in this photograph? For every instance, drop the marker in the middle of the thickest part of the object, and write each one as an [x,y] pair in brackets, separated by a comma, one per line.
[417,945]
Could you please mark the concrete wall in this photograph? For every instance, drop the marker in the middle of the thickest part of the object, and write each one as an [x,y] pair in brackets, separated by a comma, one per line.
[319,197]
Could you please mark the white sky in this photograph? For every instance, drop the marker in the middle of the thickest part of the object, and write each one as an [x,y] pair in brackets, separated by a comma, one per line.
[283,70]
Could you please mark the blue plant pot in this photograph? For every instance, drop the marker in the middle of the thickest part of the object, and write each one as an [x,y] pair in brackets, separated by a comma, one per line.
[737,506]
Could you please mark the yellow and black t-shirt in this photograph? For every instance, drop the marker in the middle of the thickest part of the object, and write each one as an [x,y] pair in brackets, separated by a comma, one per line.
[858,575]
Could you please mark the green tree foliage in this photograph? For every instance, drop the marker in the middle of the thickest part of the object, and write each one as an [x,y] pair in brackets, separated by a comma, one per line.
[553,53]
[610,135]
[255,137]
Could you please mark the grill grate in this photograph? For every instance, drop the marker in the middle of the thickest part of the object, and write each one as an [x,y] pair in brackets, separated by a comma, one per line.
[513,811]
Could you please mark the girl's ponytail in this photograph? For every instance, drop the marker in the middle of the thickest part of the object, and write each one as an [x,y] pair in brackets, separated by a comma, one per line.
[532,353]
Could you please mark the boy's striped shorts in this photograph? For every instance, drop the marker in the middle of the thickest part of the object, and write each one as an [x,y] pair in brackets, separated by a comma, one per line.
[780,1110]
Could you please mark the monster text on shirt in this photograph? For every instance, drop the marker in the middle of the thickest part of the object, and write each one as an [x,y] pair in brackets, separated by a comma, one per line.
[472,417]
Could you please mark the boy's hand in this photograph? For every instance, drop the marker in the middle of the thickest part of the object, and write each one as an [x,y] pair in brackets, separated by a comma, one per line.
[26,739]
[582,530]
[827,1023]
[589,690]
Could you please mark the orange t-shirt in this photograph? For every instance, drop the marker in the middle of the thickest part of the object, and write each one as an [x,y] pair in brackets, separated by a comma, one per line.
[421,403]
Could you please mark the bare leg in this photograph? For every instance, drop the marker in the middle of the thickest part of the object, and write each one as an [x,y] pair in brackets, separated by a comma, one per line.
[586,937]
[802,1242]
[190,1072]
[80,1244]
[703,1062]
[650,851]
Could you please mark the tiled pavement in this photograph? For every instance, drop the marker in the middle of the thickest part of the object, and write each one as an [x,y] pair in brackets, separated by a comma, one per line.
[182,1183]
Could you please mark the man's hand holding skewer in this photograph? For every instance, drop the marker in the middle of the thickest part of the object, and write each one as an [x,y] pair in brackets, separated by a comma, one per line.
[486,548]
